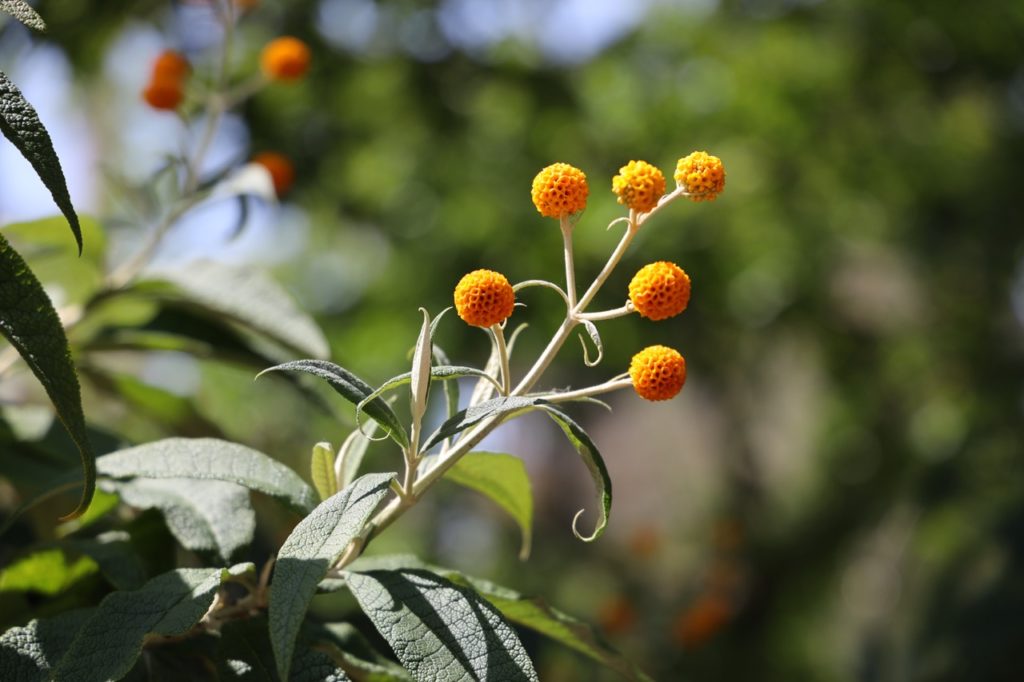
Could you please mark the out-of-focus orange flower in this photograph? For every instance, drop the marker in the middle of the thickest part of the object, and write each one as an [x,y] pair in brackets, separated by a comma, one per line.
[285,59]
[701,621]
[164,93]
[617,615]
[645,542]
[281,170]
[170,64]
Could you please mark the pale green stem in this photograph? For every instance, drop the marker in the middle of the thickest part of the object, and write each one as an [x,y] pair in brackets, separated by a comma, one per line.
[607,387]
[128,271]
[499,344]
[627,309]
[570,272]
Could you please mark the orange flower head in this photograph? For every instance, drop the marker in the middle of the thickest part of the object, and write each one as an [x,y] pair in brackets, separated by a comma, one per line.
[281,170]
[484,298]
[165,93]
[702,620]
[658,373]
[701,176]
[639,185]
[285,59]
[660,290]
[560,190]
[171,65]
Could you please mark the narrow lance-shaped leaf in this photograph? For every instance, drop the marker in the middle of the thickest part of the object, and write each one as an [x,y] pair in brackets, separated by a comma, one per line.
[29,322]
[321,470]
[307,555]
[20,124]
[353,389]
[595,464]
[23,12]
[595,336]
[502,478]
[504,406]
[441,632]
[420,377]
[441,372]
[351,453]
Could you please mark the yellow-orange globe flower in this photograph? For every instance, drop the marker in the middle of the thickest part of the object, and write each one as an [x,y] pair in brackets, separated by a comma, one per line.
[560,190]
[484,298]
[701,176]
[639,185]
[658,373]
[660,290]
[285,59]
[170,64]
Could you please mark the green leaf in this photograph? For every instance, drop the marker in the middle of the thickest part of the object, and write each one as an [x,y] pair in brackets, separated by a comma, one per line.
[441,372]
[204,516]
[536,614]
[20,124]
[117,558]
[23,12]
[529,612]
[351,453]
[246,296]
[28,654]
[248,656]
[44,244]
[47,572]
[29,322]
[420,375]
[195,458]
[321,469]
[440,631]
[308,553]
[359,656]
[502,478]
[108,644]
[214,460]
[590,455]
[352,389]
[503,407]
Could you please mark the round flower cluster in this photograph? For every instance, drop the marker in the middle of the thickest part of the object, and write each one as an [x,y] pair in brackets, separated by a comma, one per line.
[285,59]
[639,185]
[560,190]
[660,290]
[281,170]
[166,87]
[701,176]
[658,372]
[484,298]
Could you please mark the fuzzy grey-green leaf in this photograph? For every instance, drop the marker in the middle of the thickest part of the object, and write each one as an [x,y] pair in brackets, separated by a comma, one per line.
[29,653]
[108,644]
[210,459]
[29,322]
[440,631]
[23,12]
[204,516]
[308,553]
[247,297]
[20,124]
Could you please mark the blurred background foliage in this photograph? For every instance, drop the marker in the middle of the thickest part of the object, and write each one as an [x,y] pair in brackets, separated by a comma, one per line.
[838,493]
